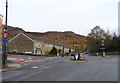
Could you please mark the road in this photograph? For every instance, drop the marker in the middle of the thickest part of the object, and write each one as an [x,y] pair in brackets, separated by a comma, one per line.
[61,69]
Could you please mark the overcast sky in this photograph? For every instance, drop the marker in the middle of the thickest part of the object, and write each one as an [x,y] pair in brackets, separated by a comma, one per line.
[79,16]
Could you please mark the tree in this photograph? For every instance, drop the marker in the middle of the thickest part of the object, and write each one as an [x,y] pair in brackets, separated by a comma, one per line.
[99,33]
[94,38]
[69,50]
[1,26]
[93,44]
[113,45]
[1,16]
[114,35]
[53,51]
[59,51]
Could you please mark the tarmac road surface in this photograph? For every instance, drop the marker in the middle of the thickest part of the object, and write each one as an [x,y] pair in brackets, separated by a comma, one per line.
[61,69]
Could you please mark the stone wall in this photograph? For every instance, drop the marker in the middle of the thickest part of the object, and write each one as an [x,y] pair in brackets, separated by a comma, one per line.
[20,44]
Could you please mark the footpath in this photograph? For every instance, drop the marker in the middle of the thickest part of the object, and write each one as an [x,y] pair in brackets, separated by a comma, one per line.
[14,62]
[10,66]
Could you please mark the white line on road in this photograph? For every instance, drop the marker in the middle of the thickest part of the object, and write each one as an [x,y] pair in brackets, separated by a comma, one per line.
[34,67]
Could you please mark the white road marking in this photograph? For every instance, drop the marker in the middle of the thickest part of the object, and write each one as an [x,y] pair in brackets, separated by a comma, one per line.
[34,67]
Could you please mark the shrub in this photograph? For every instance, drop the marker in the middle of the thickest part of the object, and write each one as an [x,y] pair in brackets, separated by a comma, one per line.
[53,51]
[59,51]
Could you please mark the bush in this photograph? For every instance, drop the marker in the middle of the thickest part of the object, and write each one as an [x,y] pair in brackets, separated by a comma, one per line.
[47,53]
[53,51]
[59,51]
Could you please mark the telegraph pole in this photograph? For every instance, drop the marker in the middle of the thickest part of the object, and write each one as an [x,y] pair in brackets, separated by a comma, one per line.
[5,41]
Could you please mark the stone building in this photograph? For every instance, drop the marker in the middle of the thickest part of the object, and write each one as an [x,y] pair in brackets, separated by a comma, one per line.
[26,43]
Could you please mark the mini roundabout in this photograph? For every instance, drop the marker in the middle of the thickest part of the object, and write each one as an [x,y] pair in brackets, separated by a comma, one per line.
[77,58]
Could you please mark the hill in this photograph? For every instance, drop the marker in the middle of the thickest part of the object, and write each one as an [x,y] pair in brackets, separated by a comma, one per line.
[68,38]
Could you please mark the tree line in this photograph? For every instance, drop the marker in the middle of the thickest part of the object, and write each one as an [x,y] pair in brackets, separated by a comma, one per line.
[97,34]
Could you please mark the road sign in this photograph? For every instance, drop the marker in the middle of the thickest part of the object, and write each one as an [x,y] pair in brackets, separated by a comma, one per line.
[5,35]
[5,30]
[4,41]
[76,56]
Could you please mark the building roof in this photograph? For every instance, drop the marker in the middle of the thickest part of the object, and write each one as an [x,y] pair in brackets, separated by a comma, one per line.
[35,38]
[20,34]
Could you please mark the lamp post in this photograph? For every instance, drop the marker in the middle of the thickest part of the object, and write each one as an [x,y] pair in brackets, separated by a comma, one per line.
[4,41]
[102,48]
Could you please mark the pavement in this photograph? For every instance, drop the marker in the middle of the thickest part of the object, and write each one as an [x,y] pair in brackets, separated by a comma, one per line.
[24,59]
[14,62]
[10,66]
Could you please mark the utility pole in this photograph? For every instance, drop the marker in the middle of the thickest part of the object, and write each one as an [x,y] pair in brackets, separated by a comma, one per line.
[5,41]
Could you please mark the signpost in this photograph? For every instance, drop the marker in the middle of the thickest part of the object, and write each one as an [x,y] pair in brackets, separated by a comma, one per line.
[5,41]
[77,53]
[76,56]
[102,48]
